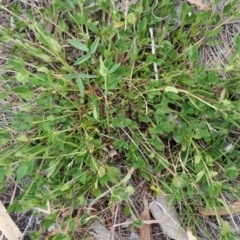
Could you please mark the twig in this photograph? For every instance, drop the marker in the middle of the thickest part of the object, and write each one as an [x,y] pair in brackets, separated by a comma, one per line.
[27,227]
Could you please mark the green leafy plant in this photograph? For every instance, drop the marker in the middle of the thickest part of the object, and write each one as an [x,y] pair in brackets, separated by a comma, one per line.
[82,85]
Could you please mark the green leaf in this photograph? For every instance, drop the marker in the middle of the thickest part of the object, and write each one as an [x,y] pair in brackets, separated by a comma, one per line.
[43,69]
[22,76]
[21,172]
[94,46]
[24,92]
[93,26]
[96,192]
[103,70]
[231,173]
[70,3]
[113,82]
[81,87]
[71,76]
[17,64]
[64,187]
[44,57]
[78,45]
[213,173]
[22,138]
[171,89]
[83,178]
[132,18]
[200,175]
[55,45]
[72,224]
[114,68]
[198,158]
[2,173]
[127,210]
[82,59]
[95,113]
[87,76]
[129,190]
[50,118]
[213,33]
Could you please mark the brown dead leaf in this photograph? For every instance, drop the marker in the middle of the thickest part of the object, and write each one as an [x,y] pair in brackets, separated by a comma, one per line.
[222,211]
[74,97]
[200,4]
[145,215]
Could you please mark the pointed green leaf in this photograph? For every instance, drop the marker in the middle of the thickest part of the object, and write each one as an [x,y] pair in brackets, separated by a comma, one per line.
[55,45]
[44,57]
[21,172]
[78,45]
[71,76]
[94,46]
[87,76]
[114,68]
[83,178]
[198,158]
[81,86]
[16,63]
[82,59]
[70,3]
[103,70]
[24,92]
[200,175]
[213,33]
[43,69]
[2,173]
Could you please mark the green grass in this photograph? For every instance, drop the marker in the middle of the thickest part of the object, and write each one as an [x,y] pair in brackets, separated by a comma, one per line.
[90,112]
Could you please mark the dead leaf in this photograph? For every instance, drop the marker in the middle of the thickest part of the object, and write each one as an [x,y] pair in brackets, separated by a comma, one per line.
[190,235]
[200,4]
[222,211]
[112,153]
[145,215]
[165,212]
[99,231]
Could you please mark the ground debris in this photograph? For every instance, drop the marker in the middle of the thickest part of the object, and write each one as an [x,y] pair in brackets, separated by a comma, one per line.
[170,224]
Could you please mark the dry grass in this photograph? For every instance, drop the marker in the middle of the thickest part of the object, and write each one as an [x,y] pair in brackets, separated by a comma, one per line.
[219,55]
